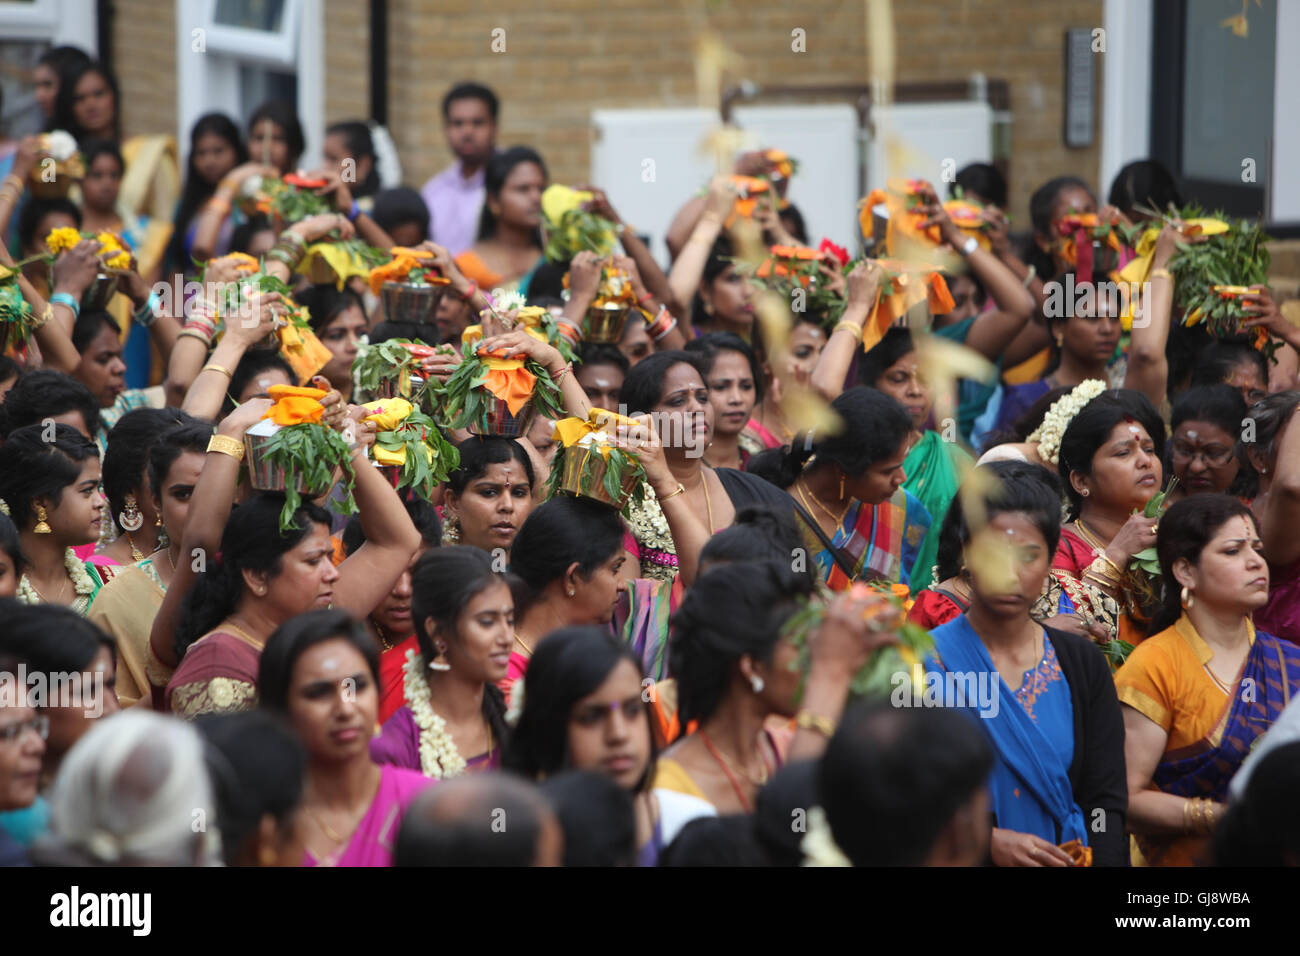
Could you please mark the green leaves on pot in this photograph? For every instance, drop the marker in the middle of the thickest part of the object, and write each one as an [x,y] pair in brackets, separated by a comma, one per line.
[430,458]
[310,453]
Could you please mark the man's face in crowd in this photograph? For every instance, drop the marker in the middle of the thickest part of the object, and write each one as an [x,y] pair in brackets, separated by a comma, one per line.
[471,131]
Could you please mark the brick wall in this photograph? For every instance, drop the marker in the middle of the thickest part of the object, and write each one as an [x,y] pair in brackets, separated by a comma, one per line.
[144,58]
[565,58]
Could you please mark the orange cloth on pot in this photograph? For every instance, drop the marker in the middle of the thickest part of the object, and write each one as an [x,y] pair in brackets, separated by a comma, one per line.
[508,380]
[294,405]
[303,351]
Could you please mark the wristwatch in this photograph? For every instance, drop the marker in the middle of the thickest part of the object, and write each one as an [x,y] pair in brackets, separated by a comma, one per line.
[969,246]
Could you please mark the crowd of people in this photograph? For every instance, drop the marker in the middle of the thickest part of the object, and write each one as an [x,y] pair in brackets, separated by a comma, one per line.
[1082,553]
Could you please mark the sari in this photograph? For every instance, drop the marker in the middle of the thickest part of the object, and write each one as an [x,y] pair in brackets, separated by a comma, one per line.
[1127,620]
[754,438]
[217,675]
[1210,731]
[1032,732]
[372,841]
[1281,615]
[476,270]
[398,745]
[879,541]
[125,608]
[933,468]
[392,692]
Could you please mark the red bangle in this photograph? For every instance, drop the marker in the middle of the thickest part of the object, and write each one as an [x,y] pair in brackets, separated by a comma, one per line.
[471,291]
[648,295]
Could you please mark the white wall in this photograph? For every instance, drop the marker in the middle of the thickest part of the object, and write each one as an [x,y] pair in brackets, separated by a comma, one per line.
[1125,87]
[1284,183]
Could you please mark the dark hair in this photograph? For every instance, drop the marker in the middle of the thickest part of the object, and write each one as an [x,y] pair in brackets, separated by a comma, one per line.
[360,144]
[644,384]
[1262,828]
[424,332]
[471,91]
[250,542]
[597,816]
[498,170]
[1041,204]
[51,638]
[12,545]
[478,452]
[298,635]
[1270,415]
[452,824]
[793,221]
[90,324]
[1091,428]
[1027,423]
[1186,528]
[984,181]
[1144,182]
[730,612]
[601,353]
[257,765]
[721,258]
[326,302]
[31,467]
[885,806]
[129,445]
[95,148]
[893,345]
[559,532]
[398,206]
[566,666]
[715,841]
[241,240]
[65,116]
[443,582]
[44,393]
[759,533]
[1223,407]
[253,364]
[875,426]
[1214,365]
[792,788]
[283,114]
[710,346]
[11,369]
[34,210]
[423,515]
[1019,487]
[189,434]
[196,191]
[64,61]
[547,284]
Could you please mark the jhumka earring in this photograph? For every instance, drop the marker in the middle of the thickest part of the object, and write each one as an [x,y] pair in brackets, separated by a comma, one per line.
[129,518]
[439,663]
[41,526]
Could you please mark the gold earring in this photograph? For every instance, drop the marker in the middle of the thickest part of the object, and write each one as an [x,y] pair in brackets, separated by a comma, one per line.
[41,526]
[451,531]
[130,518]
[439,662]
[158,521]
[841,486]
[1188,600]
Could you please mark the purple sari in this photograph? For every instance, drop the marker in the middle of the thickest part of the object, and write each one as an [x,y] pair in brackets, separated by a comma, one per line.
[372,841]
[398,745]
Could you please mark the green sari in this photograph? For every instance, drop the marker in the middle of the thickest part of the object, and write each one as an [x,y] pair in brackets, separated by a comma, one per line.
[933,468]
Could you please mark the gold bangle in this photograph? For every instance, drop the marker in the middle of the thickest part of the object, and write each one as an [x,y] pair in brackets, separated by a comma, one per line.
[1161,274]
[45,317]
[680,489]
[16,181]
[225,445]
[194,334]
[214,367]
[1187,815]
[807,720]
[852,328]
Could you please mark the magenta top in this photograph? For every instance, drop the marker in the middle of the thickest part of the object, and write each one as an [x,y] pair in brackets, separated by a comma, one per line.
[372,841]
[1281,615]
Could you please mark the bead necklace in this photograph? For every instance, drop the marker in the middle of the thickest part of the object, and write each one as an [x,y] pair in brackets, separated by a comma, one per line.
[726,769]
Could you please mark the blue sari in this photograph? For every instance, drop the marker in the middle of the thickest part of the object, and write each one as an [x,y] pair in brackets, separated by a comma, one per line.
[1032,732]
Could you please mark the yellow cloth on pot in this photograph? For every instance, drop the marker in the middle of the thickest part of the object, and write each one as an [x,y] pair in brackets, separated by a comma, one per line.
[387,413]
[344,263]
[1138,269]
[294,405]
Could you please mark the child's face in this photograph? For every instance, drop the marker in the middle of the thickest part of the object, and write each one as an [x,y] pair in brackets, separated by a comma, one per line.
[407,234]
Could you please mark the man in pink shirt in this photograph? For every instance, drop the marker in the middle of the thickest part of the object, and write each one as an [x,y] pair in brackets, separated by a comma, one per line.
[455,195]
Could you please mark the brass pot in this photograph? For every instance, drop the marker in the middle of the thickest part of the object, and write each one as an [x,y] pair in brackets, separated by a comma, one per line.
[100,292]
[581,460]
[265,476]
[605,323]
[503,424]
[406,302]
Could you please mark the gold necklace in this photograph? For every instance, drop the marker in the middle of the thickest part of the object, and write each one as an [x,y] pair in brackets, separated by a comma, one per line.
[384,643]
[1088,536]
[135,552]
[708,508]
[528,650]
[240,632]
[816,502]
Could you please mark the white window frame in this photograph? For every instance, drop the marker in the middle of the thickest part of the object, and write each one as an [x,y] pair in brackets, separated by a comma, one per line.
[71,22]
[209,81]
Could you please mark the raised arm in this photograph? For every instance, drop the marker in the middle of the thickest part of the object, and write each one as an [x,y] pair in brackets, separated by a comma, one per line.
[217,209]
[519,343]
[1281,517]
[367,228]
[846,338]
[688,270]
[148,311]
[213,497]
[1148,367]
[208,393]
[74,271]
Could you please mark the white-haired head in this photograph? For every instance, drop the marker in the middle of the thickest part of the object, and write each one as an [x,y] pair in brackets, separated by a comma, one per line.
[135,790]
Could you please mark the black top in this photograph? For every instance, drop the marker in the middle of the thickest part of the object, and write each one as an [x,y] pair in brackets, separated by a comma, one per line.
[1097,773]
[745,490]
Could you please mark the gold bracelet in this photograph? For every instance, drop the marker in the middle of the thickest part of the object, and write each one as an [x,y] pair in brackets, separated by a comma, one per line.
[225,445]
[1187,815]
[45,317]
[214,367]
[680,489]
[852,328]
[807,720]
[1161,274]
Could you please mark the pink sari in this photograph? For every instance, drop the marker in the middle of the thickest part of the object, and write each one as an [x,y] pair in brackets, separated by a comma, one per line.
[372,842]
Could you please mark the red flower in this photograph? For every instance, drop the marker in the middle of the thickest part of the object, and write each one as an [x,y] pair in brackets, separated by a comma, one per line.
[839,252]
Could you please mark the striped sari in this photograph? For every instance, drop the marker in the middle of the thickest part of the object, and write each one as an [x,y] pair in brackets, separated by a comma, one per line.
[880,541]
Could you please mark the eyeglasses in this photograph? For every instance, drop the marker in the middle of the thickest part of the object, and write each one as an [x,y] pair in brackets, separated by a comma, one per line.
[12,732]
[1215,456]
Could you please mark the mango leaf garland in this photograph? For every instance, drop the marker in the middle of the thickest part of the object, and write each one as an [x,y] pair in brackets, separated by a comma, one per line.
[312,452]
